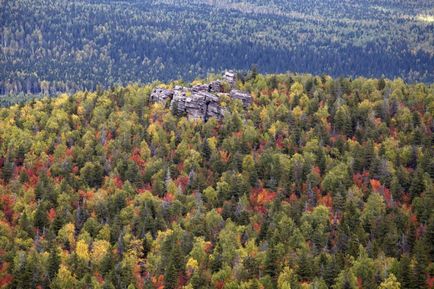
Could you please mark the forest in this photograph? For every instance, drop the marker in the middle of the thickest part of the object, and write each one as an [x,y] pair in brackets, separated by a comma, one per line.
[52,46]
[321,183]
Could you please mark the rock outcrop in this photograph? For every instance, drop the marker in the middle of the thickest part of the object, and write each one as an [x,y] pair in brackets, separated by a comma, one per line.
[230,77]
[216,87]
[245,97]
[200,101]
[161,95]
[196,105]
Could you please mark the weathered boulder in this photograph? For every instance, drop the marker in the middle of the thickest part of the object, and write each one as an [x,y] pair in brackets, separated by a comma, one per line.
[178,101]
[202,87]
[196,105]
[213,108]
[230,77]
[215,86]
[245,97]
[200,101]
[161,95]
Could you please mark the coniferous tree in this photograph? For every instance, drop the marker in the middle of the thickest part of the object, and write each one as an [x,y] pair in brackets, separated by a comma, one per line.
[305,267]
[271,259]
[53,263]
[40,218]
[7,170]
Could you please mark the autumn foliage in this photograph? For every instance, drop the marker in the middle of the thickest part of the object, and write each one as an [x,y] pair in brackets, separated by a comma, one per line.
[320,183]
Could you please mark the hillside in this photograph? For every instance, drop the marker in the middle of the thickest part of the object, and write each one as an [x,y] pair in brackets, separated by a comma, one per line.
[51,46]
[304,182]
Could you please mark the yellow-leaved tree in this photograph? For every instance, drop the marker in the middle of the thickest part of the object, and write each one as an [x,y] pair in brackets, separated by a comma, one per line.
[390,283]
[284,280]
[65,279]
[99,250]
[82,250]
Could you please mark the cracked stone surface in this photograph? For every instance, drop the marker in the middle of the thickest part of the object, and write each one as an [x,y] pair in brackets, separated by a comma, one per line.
[161,95]
[200,101]
[245,97]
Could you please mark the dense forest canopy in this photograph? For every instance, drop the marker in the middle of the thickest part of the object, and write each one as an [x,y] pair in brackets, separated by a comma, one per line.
[50,46]
[320,183]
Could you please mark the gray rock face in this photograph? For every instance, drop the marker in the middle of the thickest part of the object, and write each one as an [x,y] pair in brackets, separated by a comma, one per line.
[215,86]
[245,97]
[230,77]
[200,101]
[197,105]
[161,95]
[197,88]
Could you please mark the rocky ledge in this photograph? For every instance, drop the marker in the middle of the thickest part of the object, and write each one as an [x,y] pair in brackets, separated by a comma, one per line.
[201,101]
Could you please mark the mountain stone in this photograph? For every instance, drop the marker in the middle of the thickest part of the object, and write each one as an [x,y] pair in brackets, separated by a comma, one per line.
[161,95]
[200,101]
[245,97]
[230,77]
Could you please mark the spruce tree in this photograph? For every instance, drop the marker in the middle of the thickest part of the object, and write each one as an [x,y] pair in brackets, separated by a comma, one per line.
[304,267]
[53,263]
[206,150]
[271,259]
[7,170]
[418,279]
[171,275]
[41,218]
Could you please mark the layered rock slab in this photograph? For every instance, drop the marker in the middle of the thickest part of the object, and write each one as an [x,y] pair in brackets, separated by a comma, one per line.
[199,101]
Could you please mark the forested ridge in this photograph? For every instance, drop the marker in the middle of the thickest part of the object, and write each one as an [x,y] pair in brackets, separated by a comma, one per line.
[51,46]
[320,183]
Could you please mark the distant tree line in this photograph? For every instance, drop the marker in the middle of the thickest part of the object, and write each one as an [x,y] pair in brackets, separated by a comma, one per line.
[65,46]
